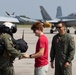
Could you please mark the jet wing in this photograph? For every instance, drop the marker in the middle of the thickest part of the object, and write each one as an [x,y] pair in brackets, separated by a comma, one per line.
[68,20]
[57,20]
[8,19]
[53,21]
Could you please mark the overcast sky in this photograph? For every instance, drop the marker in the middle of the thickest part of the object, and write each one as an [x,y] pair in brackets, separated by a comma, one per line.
[31,9]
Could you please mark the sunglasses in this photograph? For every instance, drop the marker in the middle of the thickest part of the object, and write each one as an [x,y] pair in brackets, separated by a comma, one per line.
[58,27]
[34,30]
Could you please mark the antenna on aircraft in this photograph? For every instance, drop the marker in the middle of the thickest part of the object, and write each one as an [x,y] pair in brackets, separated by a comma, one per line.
[23,35]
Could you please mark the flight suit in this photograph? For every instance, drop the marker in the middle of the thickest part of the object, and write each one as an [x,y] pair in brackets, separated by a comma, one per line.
[62,50]
[10,53]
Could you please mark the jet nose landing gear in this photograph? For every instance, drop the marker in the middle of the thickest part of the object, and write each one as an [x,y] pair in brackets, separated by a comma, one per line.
[68,31]
[51,31]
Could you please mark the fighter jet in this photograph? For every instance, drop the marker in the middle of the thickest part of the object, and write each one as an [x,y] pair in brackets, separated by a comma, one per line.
[22,20]
[70,20]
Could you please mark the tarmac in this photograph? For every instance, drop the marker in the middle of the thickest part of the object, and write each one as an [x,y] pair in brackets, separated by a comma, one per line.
[26,66]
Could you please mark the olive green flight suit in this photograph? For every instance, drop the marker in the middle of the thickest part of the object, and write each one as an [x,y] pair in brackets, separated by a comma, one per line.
[62,50]
[10,53]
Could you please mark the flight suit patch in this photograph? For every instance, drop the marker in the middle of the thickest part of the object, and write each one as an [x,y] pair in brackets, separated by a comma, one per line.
[72,39]
[57,40]
[10,39]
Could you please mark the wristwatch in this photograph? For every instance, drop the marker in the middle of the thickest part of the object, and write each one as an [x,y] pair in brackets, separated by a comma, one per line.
[30,56]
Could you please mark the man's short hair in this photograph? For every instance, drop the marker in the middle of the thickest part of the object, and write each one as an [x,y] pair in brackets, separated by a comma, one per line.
[36,26]
[63,23]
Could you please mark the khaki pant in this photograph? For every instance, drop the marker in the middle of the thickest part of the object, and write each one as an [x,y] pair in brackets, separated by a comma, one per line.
[41,70]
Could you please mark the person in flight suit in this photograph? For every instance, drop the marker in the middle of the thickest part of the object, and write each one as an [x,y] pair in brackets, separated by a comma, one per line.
[62,50]
[10,53]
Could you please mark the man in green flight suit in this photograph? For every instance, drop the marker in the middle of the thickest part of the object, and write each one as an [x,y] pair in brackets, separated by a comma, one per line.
[10,53]
[62,50]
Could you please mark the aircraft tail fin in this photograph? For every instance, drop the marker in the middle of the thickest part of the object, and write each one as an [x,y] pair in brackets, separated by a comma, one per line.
[44,14]
[59,12]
